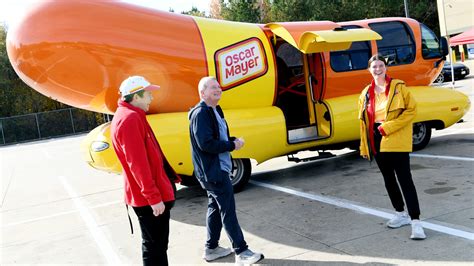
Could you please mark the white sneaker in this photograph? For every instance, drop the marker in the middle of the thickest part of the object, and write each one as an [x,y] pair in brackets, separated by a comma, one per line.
[216,253]
[398,220]
[417,232]
[248,257]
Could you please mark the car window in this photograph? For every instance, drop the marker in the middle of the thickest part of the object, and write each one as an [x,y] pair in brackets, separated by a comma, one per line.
[355,58]
[397,43]
[430,46]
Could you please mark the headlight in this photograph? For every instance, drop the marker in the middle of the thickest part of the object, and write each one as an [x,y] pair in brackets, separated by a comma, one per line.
[97,146]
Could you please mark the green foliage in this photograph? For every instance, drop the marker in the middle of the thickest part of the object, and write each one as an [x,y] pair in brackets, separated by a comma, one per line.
[336,10]
[294,10]
[425,12]
[194,12]
[263,11]
[6,71]
[241,10]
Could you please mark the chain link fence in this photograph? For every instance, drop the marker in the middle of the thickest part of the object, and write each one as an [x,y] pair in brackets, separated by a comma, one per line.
[36,126]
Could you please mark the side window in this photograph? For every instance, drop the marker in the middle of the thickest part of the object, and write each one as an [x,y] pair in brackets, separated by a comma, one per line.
[430,46]
[355,58]
[397,43]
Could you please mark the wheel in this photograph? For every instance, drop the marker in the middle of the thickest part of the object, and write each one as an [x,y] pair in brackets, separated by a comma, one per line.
[440,78]
[240,175]
[421,135]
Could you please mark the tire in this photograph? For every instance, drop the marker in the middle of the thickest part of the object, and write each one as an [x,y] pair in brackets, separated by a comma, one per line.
[240,175]
[421,135]
[440,78]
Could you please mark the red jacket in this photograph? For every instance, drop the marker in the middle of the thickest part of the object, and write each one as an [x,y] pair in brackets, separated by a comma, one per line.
[144,166]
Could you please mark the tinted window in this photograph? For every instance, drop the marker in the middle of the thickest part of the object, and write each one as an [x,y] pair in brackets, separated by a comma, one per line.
[397,43]
[430,47]
[355,58]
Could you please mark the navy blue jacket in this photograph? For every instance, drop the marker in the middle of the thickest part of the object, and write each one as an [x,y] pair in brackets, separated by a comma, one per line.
[205,143]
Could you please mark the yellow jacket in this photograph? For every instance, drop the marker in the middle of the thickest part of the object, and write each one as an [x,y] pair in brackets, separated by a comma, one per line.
[398,127]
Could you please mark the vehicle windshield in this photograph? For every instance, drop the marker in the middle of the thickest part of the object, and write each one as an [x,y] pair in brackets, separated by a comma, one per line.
[430,46]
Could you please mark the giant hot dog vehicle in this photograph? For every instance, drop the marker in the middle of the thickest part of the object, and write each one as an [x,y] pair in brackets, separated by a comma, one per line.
[287,86]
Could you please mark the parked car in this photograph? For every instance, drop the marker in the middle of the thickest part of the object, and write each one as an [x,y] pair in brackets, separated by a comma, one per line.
[460,72]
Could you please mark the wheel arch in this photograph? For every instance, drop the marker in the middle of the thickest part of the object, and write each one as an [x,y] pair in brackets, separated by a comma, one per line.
[436,124]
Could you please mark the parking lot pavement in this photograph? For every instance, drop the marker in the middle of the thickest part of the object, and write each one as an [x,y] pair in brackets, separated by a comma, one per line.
[57,210]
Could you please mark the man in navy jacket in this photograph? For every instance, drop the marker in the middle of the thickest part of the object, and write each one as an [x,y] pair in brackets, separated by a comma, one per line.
[211,147]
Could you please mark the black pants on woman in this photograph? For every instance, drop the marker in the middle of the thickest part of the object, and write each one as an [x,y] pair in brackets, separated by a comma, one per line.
[396,166]
[155,233]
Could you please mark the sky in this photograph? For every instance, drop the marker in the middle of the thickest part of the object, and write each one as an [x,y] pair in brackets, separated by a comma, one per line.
[9,9]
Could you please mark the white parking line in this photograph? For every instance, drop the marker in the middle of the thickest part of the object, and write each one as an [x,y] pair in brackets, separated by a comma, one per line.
[58,214]
[358,208]
[455,158]
[101,241]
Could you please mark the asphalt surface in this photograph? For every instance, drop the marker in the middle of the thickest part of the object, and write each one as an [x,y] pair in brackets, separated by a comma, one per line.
[57,210]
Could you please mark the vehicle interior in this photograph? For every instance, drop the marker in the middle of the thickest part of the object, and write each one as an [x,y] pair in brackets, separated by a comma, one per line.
[307,117]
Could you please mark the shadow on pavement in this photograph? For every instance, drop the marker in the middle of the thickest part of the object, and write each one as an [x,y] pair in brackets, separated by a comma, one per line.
[288,221]
[289,262]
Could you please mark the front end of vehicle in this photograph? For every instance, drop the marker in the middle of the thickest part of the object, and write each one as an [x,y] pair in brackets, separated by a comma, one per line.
[98,152]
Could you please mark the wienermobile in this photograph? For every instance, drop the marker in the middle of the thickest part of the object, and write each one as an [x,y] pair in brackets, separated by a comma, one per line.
[288,86]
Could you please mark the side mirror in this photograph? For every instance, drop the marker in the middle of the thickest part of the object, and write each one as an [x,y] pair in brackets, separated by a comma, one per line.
[444,46]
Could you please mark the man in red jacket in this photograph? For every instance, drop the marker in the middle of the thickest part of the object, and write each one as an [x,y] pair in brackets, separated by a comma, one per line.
[149,179]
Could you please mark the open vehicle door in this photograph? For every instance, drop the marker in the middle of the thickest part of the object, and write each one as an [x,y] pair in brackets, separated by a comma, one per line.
[307,116]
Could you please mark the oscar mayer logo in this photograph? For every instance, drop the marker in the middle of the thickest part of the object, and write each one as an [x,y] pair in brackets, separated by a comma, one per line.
[240,62]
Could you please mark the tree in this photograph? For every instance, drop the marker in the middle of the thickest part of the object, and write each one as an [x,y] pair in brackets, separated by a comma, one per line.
[241,10]
[263,11]
[194,12]
[425,12]
[294,10]
[215,9]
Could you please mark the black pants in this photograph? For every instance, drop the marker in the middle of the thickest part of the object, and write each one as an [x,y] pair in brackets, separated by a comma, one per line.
[396,166]
[155,234]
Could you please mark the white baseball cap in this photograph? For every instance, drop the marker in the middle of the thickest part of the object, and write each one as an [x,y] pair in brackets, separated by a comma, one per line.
[135,84]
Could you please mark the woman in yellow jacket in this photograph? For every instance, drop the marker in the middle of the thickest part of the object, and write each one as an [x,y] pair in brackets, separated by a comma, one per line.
[386,112]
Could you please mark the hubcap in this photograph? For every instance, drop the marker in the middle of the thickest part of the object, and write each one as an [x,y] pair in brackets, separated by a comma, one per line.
[440,78]
[237,171]
[419,133]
